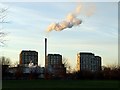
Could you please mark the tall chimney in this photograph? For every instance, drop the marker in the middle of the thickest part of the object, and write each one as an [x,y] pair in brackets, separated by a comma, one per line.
[45,52]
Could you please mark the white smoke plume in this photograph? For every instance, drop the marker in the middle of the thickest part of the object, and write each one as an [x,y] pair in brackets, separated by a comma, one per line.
[70,21]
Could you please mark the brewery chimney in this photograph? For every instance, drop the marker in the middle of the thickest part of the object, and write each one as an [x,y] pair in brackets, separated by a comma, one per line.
[45,51]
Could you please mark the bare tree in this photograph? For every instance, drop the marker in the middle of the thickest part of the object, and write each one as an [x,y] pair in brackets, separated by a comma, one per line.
[66,63]
[5,61]
[15,63]
[3,13]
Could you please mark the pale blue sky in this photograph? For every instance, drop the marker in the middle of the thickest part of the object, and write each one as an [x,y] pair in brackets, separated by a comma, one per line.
[28,21]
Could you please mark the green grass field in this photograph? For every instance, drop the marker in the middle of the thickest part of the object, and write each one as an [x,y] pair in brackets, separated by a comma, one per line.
[60,84]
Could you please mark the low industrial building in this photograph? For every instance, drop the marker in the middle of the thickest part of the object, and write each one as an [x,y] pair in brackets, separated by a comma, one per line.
[54,67]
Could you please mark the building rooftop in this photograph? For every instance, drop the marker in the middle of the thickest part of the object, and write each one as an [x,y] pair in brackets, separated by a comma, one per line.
[86,53]
[54,54]
[28,50]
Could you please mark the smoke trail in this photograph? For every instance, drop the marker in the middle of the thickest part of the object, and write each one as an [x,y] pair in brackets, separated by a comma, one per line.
[70,21]
[91,10]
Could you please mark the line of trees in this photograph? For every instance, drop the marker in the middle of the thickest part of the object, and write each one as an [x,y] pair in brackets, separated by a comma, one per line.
[5,61]
[107,73]
[111,72]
